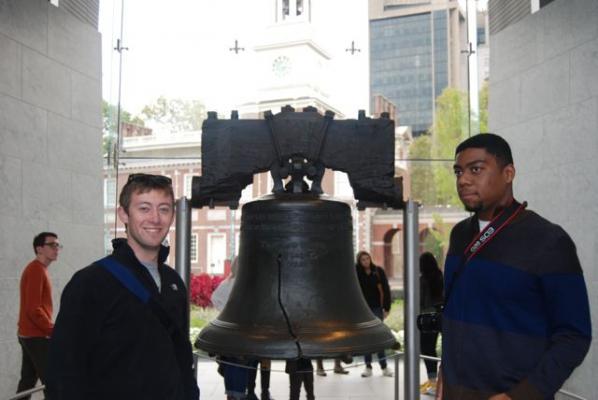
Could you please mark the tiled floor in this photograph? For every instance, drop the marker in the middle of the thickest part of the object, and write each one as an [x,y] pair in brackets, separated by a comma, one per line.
[331,387]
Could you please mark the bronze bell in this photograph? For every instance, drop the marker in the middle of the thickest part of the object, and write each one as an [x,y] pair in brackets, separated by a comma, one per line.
[296,293]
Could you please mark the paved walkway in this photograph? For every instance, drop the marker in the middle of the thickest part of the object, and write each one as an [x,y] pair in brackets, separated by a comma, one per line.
[331,387]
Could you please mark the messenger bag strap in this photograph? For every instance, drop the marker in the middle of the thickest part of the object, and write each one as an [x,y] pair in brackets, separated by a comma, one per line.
[129,281]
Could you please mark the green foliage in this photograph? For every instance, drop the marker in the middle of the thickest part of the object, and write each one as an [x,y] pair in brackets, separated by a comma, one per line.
[177,115]
[450,123]
[484,107]
[395,319]
[448,130]
[438,238]
[201,316]
[434,183]
[422,176]
[109,123]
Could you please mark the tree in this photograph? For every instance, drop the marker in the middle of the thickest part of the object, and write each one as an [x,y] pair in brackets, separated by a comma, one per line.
[448,130]
[437,240]
[109,121]
[484,107]
[176,115]
[422,175]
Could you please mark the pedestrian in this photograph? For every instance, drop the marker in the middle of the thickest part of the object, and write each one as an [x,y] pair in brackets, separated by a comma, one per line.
[122,331]
[301,372]
[376,291]
[265,366]
[431,298]
[35,312]
[516,321]
[234,370]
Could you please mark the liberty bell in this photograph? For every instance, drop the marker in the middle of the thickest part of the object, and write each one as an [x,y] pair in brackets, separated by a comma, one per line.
[296,292]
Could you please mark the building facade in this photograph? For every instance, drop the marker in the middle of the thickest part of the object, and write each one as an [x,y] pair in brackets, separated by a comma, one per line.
[415,53]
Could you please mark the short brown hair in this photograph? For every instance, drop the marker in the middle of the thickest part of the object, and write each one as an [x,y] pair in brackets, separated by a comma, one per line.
[142,183]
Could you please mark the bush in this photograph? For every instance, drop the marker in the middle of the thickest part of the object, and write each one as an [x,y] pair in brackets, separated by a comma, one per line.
[395,319]
[202,287]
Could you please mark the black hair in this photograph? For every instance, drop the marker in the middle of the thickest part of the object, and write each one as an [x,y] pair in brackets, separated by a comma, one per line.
[428,266]
[492,143]
[40,239]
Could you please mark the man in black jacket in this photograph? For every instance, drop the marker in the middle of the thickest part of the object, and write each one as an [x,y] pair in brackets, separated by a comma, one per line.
[107,342]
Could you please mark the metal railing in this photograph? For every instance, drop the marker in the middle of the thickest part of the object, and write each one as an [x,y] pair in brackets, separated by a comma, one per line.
[396,356]
[26,393]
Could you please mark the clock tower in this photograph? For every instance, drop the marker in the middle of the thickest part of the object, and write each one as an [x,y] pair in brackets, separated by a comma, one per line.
[293,60]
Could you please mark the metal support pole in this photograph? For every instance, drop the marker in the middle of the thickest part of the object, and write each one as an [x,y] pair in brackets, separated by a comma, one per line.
[411,305]
[182,263]
[183,240]
[396,376]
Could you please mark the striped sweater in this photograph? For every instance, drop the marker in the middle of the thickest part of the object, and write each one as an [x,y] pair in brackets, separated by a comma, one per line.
[517,319]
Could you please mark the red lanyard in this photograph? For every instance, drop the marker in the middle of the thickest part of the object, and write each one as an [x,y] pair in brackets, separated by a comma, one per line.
[503,219]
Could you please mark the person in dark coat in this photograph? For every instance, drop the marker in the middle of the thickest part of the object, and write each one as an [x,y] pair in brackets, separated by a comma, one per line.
[109,344]
[301,371]
[376,291]
[431,297]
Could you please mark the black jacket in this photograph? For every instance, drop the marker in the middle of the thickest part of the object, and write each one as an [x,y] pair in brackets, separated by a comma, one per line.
[370,289]
[107,344]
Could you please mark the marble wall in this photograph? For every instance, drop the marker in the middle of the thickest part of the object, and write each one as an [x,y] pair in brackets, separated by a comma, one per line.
[544,101]
[50,152]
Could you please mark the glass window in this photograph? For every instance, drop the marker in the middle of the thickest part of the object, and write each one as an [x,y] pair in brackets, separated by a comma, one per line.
[187,185]
[193,249]
[109,192]
[216,253]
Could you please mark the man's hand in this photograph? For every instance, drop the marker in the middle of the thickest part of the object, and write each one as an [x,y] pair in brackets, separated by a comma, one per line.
[500,396]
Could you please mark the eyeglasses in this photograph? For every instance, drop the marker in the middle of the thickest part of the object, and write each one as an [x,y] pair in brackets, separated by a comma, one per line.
[149,178]
[53,245]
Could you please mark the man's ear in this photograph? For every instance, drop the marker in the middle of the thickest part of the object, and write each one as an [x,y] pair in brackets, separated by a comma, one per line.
[509,173]
[122,215]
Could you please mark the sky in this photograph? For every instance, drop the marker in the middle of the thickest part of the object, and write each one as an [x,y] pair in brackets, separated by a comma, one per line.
[174,50]
[164,39]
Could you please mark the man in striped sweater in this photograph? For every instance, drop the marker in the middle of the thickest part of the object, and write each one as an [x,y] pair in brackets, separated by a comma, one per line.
[516,321]
[35,313]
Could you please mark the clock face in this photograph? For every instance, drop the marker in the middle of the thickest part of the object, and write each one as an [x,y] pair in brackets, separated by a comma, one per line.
[281,66]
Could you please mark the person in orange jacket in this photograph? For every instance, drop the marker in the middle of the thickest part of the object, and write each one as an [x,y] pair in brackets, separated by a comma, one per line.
[35,313]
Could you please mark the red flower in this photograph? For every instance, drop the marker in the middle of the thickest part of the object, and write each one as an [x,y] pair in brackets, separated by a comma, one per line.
[202,287]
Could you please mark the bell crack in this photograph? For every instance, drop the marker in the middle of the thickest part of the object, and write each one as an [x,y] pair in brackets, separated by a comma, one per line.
[284,311]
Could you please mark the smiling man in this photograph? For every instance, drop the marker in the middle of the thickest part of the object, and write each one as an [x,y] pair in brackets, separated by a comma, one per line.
[516,321]
[122,329]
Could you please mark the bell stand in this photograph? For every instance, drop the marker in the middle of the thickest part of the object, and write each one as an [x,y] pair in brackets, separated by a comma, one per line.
[182,263]
[411,304]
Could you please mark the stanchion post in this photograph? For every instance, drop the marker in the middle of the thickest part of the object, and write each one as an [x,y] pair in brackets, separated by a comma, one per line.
[396,376]
[411,305]
[182,263]
[183,240]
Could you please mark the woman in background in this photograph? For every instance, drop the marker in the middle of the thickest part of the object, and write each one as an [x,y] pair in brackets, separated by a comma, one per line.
[431,298]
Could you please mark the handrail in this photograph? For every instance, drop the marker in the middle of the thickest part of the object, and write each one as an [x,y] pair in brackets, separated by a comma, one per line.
[27,392]
[397,355]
